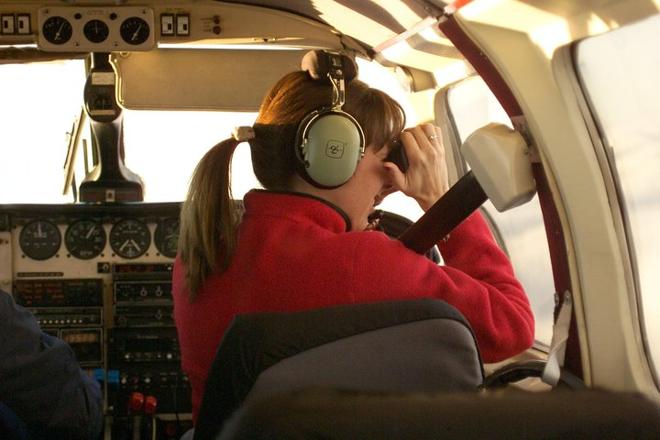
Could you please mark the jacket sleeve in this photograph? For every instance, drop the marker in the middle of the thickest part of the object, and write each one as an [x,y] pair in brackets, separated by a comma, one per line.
[477,279]
[41,382]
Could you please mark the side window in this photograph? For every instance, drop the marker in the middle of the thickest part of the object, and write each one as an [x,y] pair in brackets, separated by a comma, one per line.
[619,73]
[39,104]
[471,105]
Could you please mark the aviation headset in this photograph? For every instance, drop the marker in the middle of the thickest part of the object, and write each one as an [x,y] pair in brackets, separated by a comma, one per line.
[329,141]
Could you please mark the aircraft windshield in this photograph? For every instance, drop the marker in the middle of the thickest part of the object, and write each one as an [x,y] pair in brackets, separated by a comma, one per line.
[39,104]
[163,147]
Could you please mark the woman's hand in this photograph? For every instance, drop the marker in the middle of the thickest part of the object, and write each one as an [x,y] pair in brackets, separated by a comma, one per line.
[426,179]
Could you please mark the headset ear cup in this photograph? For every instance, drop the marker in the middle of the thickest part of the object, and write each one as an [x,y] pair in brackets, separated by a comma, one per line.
[331,143]
[302,146]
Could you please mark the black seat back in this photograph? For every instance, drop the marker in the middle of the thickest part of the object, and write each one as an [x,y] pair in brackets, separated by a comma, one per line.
[417,345]
[333,414]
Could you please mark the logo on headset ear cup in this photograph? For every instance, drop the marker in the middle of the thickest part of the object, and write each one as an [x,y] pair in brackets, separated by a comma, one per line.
[332,144]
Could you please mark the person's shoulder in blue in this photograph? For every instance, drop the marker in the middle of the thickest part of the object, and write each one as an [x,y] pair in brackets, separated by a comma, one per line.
[43,391]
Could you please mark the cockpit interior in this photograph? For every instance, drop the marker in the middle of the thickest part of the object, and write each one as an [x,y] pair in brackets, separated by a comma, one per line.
[106,107]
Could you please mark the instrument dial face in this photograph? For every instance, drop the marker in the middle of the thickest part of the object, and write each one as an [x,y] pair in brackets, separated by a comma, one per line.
[96,31]
[40,239]
[134,30]
[57,30]
[85,239]
[130,238]
[166,237]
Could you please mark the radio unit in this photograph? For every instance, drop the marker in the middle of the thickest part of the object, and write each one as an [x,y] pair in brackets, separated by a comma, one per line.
[59,293]
[142,291]
[144,316]
[87,344]
[143,345]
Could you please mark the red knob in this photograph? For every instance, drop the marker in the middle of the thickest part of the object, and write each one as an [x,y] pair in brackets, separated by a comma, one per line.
[136,402]
[150,405]
[170,430]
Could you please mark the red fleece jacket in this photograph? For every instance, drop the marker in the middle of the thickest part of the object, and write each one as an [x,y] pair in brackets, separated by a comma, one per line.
[294,253]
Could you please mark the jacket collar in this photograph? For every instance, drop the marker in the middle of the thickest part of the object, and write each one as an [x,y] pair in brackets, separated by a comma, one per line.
[299,206]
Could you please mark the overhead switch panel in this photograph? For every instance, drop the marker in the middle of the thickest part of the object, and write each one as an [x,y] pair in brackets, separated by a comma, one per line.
[96,29]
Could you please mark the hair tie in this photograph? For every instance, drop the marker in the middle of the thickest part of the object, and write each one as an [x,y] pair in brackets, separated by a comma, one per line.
[243,134]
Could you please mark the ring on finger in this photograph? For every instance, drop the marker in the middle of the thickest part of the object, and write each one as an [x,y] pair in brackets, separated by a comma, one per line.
[432,137]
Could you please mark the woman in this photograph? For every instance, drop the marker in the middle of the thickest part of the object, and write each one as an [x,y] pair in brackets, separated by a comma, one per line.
[300,246]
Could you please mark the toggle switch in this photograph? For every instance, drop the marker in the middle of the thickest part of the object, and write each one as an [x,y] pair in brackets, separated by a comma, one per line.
[23,24]
[8,27]
[183,25]
[167,24]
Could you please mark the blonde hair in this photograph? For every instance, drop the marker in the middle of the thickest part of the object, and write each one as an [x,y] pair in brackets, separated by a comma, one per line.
[209,216]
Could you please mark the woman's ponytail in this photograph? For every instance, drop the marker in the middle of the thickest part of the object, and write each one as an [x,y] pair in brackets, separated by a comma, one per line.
[209,218]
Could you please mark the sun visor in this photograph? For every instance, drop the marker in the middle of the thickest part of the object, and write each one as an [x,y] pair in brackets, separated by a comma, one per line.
[499,159]
[201,79]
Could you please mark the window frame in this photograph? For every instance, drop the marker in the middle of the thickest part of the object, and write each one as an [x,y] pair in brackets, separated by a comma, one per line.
[445,117]
[616,197]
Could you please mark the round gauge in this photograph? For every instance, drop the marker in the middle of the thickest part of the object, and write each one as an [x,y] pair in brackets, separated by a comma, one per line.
[130,238]
[134,30]
[85,239]
[57,30]
[40,239]
[166,237]
[96,31]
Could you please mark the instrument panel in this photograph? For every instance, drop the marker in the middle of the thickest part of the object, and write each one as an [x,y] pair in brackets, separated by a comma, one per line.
[66,28]
[88,238]
[99,276]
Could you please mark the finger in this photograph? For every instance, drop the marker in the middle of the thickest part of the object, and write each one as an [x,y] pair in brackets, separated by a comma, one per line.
[397,178]
[421,138]
[437,140]
[410,145]
[390,189]
[436,135]
[408,137]
[429,131]
[433,135]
